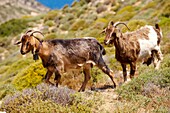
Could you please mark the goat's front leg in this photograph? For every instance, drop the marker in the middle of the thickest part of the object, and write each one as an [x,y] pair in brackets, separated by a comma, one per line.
[47,77]
[124,72]
[57,78]
[132,69]
[86,71]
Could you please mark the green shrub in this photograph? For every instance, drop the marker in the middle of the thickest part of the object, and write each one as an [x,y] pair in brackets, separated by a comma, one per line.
[65,26]
[3,69]
[51,15]
[51,36]
[151,4]
[97,75]
[134,25]
[100,23]
[45,98]
[80,12]
[30,76]
[90,17]
[108,16]
[6,89]
[124,16]
[165,25]
[15,68]
[91,32]
[78,25]
[125,9]
[33,18]
[49,23]
[151,86]
[13,27]
[166,10]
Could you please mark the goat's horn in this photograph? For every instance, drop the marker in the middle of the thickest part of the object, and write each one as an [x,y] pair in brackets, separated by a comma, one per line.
[118,23]
[36,32]
[28,31]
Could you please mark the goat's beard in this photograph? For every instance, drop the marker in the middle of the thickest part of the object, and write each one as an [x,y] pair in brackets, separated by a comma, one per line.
[111,42]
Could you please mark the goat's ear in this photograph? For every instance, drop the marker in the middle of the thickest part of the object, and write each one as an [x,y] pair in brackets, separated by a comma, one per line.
[103,31]
[18,42]
[118,32]
[111,23]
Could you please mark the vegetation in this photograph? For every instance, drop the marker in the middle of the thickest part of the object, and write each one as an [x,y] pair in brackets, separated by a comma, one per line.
[21,87]
[152,86]
[12,27]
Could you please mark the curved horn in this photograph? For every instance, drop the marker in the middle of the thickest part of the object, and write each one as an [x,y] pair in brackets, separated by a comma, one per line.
[118,23]
[28,31]
[36,32]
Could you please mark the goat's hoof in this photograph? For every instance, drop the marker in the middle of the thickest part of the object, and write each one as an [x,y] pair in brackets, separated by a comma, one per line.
[49,83]
[81,90]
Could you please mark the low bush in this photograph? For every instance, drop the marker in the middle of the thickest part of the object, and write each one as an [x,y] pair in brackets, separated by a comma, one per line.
[46,98]
[50,36]
[78,25]
[30,76]
[126,9]
[6,89]
[166,10]
[151,86]
[134,25]
[165,25]
[125,16]
[151,4]
[51,15]
[101,9]
[49,23]
[15,68]
[100,23]
[13,27]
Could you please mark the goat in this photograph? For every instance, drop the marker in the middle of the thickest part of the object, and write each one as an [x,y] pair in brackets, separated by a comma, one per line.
[59,55]
[131,47]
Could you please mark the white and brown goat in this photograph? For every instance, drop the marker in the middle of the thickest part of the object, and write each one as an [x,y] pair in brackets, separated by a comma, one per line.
[60,55]
[141,45]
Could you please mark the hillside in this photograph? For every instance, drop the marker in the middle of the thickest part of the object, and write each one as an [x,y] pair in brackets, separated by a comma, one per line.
[22,87]
[10,9]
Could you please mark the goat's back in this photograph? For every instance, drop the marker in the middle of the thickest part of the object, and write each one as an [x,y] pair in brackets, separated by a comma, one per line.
[78,50]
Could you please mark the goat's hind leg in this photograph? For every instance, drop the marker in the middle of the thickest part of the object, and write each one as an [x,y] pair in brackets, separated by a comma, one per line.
[132,69]
[57,78]
[47,77]
[159,59]
[106,70]
[87,76]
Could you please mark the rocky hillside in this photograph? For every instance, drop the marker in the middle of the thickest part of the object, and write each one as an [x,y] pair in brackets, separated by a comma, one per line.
[16,8]
[22,87]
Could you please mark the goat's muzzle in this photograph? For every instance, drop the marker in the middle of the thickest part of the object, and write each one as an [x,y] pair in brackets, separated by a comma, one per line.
[106,42]
[22,52]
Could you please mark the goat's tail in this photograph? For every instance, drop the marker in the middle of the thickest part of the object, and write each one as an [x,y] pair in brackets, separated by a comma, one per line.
[157,27]
[160,32]
[103,51]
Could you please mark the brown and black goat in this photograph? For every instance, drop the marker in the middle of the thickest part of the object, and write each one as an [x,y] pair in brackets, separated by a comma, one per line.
[60,55]
[141,45]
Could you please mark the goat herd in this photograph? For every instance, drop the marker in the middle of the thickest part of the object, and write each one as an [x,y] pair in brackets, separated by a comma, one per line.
[60,55]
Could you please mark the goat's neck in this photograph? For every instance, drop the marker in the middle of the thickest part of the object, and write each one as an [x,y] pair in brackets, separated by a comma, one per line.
[120,43]
[44,50]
